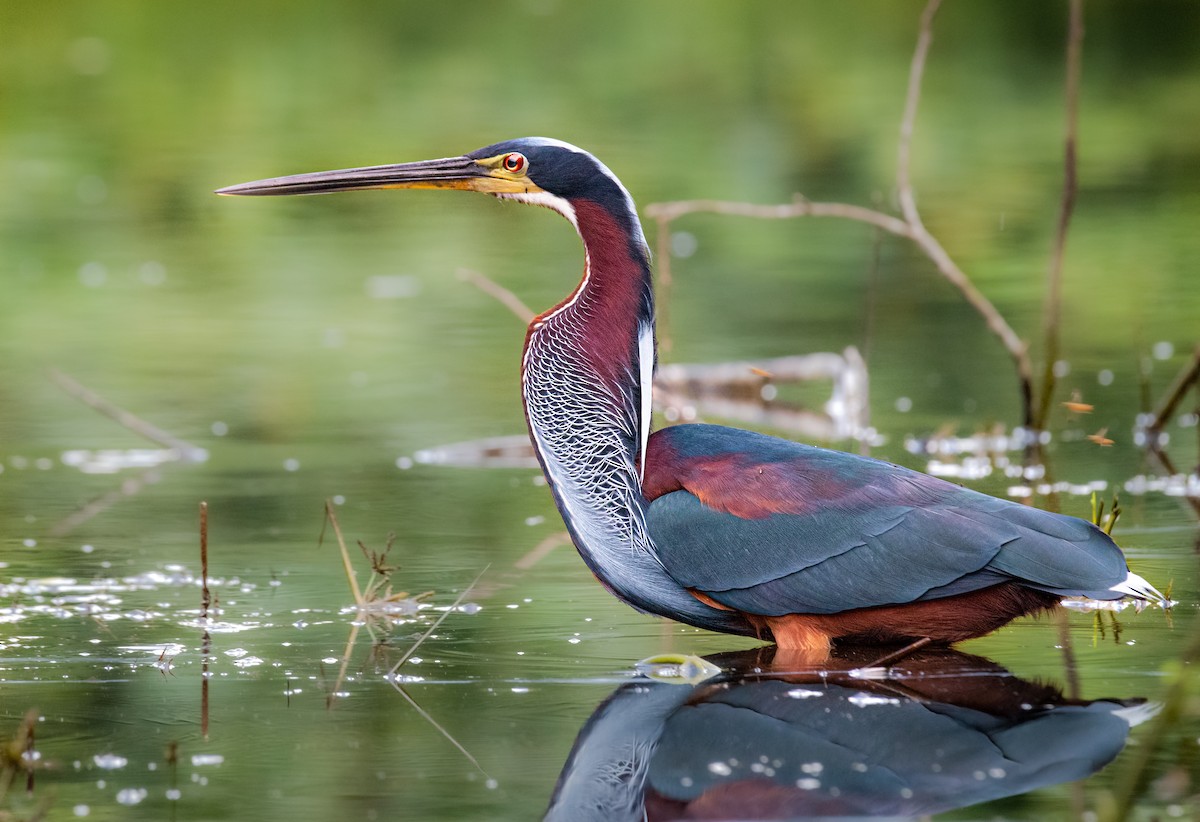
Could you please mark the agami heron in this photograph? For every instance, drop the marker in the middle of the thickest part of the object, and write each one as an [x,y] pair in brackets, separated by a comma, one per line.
[726,529]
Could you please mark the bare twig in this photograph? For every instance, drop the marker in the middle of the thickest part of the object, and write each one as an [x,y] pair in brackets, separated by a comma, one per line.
[912,97]
[501,294]
[542,550]
[407,654]
[909,225]
[662,250]
[331,518]
[1183,381]
[124,418]
[799,207]
[129,487]
[428,718]
[436,623]
[933,249]
[1052,314]
[894,656]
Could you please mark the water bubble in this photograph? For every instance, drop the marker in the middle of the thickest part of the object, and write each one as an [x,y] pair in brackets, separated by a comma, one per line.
[89,56]
[93,274]
[1163,350]
[683,244]
[152,272]
[392,287]
[91,190]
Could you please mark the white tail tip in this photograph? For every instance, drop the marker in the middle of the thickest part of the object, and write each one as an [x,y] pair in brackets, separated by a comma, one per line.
[1137,714]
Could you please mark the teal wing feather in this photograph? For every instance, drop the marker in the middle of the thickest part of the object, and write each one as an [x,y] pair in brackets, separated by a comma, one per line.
[770,527]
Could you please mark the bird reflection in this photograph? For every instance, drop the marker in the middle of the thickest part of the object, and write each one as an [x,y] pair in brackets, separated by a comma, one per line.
[769,740]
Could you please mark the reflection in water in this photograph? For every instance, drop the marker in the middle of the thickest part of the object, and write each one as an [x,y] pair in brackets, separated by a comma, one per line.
[769,740]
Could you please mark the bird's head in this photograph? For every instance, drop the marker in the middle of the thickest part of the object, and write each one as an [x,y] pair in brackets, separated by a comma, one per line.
[534,170]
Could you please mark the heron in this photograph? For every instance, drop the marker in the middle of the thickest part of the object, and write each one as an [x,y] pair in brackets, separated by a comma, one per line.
[726,529]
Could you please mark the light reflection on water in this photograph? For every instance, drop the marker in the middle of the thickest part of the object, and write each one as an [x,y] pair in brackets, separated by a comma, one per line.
[512,693]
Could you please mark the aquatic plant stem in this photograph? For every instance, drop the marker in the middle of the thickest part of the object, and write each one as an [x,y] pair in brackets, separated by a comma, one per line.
[205,594]
[331,518]
[1052,312]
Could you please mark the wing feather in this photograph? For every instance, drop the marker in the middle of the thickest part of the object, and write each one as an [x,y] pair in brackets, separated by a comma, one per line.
[772,527]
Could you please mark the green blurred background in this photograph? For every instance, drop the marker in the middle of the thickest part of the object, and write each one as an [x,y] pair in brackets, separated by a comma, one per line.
[256,329]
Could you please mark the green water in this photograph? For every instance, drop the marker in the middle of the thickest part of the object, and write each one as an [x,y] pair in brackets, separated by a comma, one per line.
[312,346]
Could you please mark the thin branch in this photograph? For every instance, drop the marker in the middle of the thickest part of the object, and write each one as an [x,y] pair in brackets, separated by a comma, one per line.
[933,249]
[799,207]
[916,71]
[1052,314]
[501,294]
[124,418]
[662,253]
[909,225]
[331,518]
[1183,381]
[429,718]
[436,623]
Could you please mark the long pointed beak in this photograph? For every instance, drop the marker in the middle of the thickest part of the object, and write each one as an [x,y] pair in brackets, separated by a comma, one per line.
[450,172]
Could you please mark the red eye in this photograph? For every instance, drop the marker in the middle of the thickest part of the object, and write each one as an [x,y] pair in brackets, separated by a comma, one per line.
[513,163]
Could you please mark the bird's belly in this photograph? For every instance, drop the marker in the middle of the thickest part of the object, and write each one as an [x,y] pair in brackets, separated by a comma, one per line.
[944,621]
